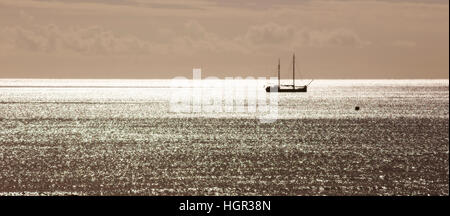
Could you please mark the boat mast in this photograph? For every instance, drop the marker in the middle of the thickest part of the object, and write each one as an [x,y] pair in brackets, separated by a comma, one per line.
[293,72]
[279,73]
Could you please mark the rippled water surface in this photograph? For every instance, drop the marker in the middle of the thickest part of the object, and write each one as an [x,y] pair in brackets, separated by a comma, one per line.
[115,137]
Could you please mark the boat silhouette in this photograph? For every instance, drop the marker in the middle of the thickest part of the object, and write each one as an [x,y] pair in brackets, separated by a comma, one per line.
[287,88]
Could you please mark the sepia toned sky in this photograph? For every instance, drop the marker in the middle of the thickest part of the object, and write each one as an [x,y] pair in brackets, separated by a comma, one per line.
[342,39]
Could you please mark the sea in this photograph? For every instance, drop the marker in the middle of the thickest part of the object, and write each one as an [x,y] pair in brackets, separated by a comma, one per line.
[122,137]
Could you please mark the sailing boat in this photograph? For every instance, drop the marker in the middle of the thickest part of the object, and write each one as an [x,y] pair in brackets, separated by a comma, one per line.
[287,88]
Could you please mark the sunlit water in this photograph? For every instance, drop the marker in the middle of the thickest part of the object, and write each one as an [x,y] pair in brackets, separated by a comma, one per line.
[150,98]
[118,137]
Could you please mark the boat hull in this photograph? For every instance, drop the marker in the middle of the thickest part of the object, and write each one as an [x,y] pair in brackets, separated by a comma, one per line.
[296,89]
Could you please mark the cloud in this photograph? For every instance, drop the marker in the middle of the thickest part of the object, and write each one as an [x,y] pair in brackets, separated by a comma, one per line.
[92,40]
[191,38]
[96,40]
[194,37]
[270,33]
[336,37]
[274,34]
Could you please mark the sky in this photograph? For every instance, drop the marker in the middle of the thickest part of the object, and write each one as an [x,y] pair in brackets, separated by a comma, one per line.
[152,39]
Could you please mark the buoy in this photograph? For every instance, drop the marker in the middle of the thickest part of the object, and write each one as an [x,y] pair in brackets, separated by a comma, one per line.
[357,108]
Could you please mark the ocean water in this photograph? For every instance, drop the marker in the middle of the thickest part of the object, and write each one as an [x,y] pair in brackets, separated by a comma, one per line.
[118,137]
